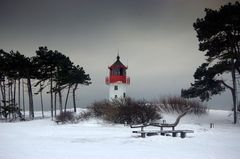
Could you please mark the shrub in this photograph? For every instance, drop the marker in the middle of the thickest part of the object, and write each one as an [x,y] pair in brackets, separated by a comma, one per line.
[179,104]
[85,115]
[66,117]
[99,108]
[103,109]
[125,110]
[10,110]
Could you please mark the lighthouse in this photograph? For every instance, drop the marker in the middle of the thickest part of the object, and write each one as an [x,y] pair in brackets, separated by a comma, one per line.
[117,80]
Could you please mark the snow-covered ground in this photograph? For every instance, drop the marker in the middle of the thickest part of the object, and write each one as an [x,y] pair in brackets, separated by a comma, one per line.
[95,139]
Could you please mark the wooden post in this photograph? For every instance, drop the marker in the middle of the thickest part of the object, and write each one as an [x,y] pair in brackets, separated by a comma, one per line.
[183,134]
[211,125]
[164,121]
[174,134]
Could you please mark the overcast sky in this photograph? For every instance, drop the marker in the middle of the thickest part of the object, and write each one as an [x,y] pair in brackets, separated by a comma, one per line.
[155,39]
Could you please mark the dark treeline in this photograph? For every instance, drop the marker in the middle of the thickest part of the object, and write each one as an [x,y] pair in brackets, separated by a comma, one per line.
[49,70]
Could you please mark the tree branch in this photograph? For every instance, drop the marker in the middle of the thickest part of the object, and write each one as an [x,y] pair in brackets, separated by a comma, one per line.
[226,85]
[238,69]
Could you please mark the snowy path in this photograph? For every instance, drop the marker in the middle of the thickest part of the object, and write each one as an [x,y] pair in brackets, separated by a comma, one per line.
[43,139]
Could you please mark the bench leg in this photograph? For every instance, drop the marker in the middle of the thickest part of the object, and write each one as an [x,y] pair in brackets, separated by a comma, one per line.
[174,134]
[143,135]
[163,134]
[183,134]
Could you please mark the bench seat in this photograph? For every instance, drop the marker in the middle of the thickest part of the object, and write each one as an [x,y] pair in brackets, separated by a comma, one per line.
[164,132]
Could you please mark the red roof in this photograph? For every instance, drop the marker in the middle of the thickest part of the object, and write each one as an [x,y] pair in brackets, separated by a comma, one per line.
[118,64]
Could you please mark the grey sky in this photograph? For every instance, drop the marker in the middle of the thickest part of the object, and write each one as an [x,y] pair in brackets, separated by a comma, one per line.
[155,38]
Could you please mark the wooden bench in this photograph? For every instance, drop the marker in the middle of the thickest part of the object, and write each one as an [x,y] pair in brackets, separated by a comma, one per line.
[140,126]
[170,125]
[164,132]
[181,132]
[163,125]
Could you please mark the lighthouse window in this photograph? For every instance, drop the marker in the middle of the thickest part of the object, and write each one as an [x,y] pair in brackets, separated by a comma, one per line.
[115,88]
[115,72]
[115,96]
[124,95]
[121,71]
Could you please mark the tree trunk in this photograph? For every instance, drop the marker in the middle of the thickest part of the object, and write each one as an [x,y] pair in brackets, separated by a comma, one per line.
[60,100]
[65,107]
[55,104]
[23,98]
[1,88]
[1,101]
[14,93]
[74,97]
[234,93]
[14,98]
[51,94]
[10,96]
[4,93]
[19,94]
[41,98]
[30,95]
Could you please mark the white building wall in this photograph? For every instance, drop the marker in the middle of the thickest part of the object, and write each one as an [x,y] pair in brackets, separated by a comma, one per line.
[119,93]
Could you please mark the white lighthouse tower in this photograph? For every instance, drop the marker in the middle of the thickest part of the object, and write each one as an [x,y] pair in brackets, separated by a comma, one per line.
[117,80]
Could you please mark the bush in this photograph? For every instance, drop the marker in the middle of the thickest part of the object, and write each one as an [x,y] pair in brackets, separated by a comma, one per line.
[99,108]
[179,104]
[65,117]
[85,115]
[125,110]
[10,110]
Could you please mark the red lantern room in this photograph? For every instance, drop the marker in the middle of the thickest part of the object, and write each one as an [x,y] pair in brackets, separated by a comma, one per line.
[117,73]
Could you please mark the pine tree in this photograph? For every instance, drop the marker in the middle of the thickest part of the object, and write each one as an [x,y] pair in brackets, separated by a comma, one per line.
[219,38]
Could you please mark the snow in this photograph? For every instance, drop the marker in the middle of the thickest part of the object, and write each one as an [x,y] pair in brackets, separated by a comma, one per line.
[94,139]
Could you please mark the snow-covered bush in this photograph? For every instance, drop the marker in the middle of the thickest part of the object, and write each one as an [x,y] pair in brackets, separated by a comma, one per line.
[11,112]
[179,104]
[125,110]
[85,115]
[134,112]
[71,117]
[99,108]
[65,117]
